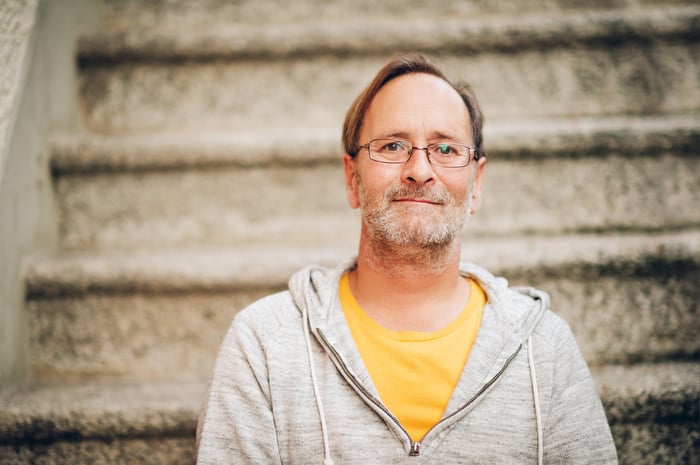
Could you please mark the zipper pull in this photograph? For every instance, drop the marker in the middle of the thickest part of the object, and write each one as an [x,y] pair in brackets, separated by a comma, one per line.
[415,449]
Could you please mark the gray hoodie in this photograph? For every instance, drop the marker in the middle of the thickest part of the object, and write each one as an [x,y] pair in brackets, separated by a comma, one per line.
[289,387]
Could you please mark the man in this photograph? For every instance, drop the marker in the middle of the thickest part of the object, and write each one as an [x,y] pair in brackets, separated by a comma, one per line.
[404,355]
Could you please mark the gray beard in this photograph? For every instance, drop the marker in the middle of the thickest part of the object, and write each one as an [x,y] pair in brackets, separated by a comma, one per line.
[397,230]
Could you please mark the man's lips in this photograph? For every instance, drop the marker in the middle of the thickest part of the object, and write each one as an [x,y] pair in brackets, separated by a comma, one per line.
[418,200]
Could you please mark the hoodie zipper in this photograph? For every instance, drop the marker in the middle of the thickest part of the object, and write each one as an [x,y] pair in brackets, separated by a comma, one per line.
[415,449]
[414,445]
[483,389]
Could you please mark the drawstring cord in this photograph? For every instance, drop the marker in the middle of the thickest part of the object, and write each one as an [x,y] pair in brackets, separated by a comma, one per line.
[535,394]
[327,460]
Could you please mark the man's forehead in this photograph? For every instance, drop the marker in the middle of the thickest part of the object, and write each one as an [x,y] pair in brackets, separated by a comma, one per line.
[418,98]
[428,82]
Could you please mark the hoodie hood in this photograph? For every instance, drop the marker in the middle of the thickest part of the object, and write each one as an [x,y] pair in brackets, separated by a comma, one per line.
[508,320]
[517,309]
[510,316]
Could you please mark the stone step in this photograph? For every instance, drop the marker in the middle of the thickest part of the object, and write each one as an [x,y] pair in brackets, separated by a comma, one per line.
[86,153]
[305,74]
[152,314]
[150,423]
[543,176]
[405,29]
[179,15]
[652,409]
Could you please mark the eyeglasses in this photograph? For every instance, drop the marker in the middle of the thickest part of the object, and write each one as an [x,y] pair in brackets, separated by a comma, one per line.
[396,151]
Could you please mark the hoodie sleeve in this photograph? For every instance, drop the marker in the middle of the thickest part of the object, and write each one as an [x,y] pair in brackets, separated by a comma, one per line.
[236,424]
[576,429]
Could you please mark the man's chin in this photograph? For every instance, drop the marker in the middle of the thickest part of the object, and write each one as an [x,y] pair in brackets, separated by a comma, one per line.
[418,236]
[430,227]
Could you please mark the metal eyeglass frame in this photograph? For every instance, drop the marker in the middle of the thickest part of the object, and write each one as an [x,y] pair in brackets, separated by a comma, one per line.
[473,153]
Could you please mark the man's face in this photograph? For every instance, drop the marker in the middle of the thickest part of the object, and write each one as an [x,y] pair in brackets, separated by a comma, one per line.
[416,203]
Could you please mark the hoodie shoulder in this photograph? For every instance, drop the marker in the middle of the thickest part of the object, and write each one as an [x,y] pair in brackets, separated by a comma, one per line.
[268,313]
[310,287]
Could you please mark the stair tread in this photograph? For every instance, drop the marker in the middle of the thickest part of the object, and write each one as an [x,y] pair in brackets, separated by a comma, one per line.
[176,14]
[652,392]
[254,266]
[100,409]
[386,33]
[665,392]
[568,137]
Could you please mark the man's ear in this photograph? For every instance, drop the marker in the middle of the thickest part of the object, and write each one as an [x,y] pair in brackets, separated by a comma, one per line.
[351,181]
[476,188]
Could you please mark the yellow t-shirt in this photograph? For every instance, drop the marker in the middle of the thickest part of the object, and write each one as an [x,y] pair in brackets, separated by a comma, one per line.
[414,372]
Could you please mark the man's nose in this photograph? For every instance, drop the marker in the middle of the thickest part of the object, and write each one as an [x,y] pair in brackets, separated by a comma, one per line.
[418,168]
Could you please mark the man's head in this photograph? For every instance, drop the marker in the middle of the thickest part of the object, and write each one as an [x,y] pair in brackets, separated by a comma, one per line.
[399,66]
[421,198]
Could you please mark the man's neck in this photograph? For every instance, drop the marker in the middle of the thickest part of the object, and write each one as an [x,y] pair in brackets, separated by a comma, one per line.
[409,289]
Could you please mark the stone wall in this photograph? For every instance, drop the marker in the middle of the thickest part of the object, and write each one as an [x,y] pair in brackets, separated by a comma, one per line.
[17,20]
[37,95]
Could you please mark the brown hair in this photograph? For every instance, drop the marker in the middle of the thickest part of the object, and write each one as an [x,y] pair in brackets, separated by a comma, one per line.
[399,66]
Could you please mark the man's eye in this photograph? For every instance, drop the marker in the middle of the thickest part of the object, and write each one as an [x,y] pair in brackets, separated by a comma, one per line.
[444,149]
[393,146]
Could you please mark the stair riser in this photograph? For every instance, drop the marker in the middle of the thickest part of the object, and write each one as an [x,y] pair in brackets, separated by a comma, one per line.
[141,336]
[307,205]
[316,92]
[622,320]
[654,443]
[614,319]
[113,451]
[637,444]
[126,13]
[216,207]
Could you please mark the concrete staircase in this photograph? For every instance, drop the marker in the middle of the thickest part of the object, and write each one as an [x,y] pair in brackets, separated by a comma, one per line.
[209,170]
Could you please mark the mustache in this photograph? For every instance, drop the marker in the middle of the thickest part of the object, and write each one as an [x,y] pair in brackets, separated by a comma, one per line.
[430,194]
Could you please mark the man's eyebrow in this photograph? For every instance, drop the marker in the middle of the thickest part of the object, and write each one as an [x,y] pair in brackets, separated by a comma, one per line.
[406,136]
[442,135]
[395,135]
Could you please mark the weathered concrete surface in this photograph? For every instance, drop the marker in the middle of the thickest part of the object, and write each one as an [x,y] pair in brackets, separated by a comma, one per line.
[627,318]
[17,19]
[219,269]
[37,94]
[572,137]
[651,443]
[213,206]
[307,204]
[101,423]
[182,14]
[153,336]
[375,32]
[99,410]
[152,316]
[132,335]
[652,408]
[18,183]
[159,450]
[249,94]
[654,411]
